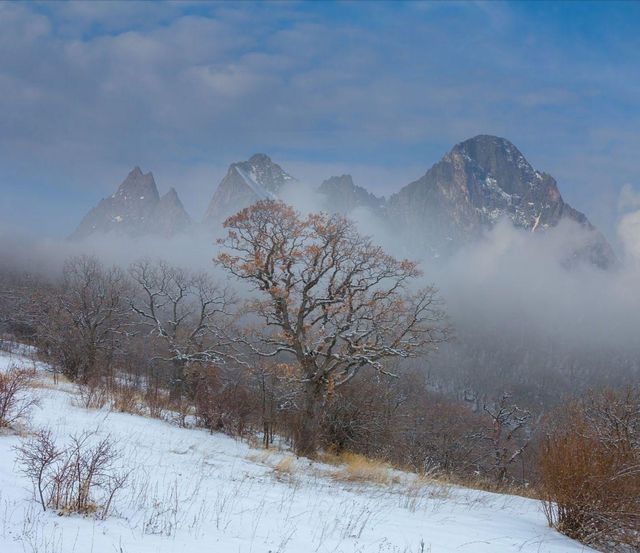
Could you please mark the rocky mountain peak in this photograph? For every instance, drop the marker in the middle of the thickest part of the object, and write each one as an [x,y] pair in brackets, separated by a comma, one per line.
[337,182]
[135,209]
[138,187]
[171,195]
[480,181]
[341,195]
[169,215]
[260,159]
[246,182]
[499,159]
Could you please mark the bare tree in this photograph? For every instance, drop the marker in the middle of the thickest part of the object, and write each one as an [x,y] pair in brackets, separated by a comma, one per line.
[329,298]
[507,437]
[85,318]
[18,293]
[182,310]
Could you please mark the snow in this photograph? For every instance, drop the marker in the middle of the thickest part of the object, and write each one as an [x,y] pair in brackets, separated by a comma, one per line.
[492,184]
[257,189]
[194,491]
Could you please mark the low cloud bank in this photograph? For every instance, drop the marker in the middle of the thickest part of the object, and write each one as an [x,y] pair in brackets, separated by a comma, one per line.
[511,284]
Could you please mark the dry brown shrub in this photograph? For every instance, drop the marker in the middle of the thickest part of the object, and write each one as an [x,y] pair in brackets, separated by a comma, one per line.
[91,395]
[158,402]
[126,399]
[590,471]
[15,397]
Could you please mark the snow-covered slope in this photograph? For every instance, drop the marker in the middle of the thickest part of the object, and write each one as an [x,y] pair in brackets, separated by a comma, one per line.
[191,491]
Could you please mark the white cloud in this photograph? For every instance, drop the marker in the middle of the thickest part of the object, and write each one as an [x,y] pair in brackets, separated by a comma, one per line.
[629,233]
[629,198]
[91,89]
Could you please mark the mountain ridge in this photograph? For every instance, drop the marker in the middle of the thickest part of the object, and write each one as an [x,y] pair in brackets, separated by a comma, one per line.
[479,181]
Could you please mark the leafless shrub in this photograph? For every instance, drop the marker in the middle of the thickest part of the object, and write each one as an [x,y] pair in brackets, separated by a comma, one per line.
[91,395]
[15,397]
[79,478]
[590,471]
[126,399]
[222,401]
[157,401]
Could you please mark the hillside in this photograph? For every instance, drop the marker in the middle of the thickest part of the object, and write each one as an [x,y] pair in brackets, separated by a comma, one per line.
[193,491]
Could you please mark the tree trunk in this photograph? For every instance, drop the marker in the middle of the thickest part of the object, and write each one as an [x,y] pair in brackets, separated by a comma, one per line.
[306,443]
[176,382]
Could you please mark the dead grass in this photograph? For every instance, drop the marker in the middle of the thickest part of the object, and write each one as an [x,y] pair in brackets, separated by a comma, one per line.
[485,484]
[358,468]
[261,457]
[285,468]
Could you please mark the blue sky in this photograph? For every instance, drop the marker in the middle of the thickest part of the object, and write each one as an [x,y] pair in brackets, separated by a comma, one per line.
[378,90]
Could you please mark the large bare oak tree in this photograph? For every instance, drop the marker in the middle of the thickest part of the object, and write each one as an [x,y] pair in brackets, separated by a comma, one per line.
[327,298]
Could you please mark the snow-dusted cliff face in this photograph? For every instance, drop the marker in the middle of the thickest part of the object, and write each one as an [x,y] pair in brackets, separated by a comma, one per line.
[245,183]
[480,181]
[136,209]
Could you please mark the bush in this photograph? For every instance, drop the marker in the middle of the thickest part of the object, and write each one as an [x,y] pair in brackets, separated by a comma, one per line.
[15,397]
[79,478]
[590,471]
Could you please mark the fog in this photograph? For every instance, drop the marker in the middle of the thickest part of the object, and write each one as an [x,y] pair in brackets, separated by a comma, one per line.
[516,307]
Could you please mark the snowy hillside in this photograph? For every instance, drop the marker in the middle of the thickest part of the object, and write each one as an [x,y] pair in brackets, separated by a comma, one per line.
[190,491]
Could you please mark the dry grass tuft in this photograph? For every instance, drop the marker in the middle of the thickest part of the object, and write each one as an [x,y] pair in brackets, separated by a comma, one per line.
[285,467]
[358,468]
[261,457]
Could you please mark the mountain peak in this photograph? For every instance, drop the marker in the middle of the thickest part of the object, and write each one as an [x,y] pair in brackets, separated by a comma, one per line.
[342,195]
[260,159]
[480,181]
[487,140]
[488,143]
[169,216]
[495,155]
[136,209]
[258,178]
[138,187]
[171,194]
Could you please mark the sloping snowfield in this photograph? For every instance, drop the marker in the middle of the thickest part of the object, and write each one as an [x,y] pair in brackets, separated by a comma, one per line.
[191,491]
